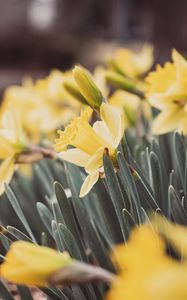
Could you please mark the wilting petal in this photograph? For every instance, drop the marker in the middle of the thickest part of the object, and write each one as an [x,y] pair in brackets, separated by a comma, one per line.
[114,122]
[75,156]
[89,182]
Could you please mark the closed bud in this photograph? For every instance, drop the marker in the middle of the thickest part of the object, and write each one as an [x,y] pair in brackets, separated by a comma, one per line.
[121,82]
[87,87]
[74,92]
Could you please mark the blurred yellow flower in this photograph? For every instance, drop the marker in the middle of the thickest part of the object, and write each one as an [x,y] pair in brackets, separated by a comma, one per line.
[167,91]
[91,141]
[13,142]
[146,271]
[129,106]
[134,64]
[100,80]
[46,96]
[29,264]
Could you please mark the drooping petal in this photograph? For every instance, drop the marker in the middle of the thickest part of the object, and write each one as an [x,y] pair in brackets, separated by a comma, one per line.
[75,156]
[114,122]
[89,182]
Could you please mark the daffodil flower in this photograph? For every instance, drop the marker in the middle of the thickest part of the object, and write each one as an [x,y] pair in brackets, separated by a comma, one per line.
[27,263]
[167,91]
[13,142]
[89,142]
[133,64]
[129,106]
[145,269]
[46,95]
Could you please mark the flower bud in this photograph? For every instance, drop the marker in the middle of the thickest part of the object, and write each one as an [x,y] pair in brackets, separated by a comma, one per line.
[87,87]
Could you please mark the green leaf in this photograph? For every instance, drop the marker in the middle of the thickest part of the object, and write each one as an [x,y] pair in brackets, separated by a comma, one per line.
[57,237]
[68,216]
[69,241]
[19,235]
[129,184]
[159,185]
[114,188]
[24,292]
[4,293]
[45,215]
[18,211]
[177,211]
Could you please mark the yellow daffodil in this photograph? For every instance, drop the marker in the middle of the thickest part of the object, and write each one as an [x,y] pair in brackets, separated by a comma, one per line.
[13,142]
[167,91]
[91,141]
[129,106]
[175,234]
[146,271]
[134,64]
[29,264]
[46,95]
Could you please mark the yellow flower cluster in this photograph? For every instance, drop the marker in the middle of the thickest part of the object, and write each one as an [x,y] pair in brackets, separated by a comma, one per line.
[12,143]
[146,271]
[42,106]
[133,64]
[49,103]
[167,91]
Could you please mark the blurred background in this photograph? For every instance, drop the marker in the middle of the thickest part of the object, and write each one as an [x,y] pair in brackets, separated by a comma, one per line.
[37,35]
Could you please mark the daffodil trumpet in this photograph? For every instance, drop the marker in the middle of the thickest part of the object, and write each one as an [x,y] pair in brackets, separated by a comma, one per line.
[90,142]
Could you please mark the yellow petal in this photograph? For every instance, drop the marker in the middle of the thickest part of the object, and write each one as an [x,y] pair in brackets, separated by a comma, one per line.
[178,59]
[26,263]
[6,172]
[114,122]
[95,161]
[161,79]
[175,234]
[5,148]
[75,156]
[168,120]
[102,130]
[89,182]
